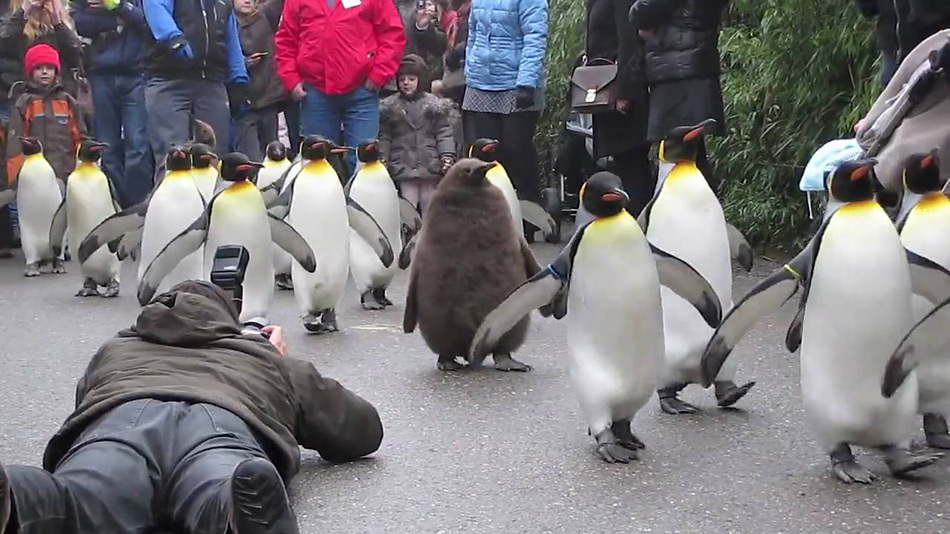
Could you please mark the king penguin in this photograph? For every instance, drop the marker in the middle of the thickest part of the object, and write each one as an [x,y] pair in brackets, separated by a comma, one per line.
[925,230]
[315,203]
[375,191]
[521,210]
[90,199]
[609,278]
[38,194]
[204,169]
[685,219]
[275,164]
[467,262]
[845,334]
[235,216]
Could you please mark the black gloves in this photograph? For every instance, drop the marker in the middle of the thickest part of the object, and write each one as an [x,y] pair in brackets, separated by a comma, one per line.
[940,59]
[455,57]
[238,100]
[524,97]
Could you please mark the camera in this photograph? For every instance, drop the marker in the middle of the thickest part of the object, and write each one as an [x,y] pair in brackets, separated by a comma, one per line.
[227,272]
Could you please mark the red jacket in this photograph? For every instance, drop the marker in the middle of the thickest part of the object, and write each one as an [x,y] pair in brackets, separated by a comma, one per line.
[337,49]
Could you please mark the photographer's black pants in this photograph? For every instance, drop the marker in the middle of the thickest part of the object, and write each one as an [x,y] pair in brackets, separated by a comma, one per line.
[146,463]
[515,132]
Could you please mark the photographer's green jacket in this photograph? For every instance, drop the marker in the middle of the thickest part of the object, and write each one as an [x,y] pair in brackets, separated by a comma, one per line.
[187,346]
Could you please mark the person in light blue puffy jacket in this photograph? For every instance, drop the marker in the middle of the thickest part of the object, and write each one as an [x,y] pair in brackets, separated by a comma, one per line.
[504,72]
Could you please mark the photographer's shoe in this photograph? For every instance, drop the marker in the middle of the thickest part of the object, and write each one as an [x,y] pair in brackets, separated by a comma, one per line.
[259,503]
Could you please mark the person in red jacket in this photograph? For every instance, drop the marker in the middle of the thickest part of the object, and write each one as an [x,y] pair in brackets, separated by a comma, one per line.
[334,56]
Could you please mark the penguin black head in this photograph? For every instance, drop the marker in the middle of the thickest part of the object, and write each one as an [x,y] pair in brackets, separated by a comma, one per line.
[484,149]
[276,151]
[468,173]
[368,152]
[236,167]
[853,181]
[315,147]
[202,156]
[90,151]
[922,173]
[603,195]
[682,143]
[178,158]
[31,145]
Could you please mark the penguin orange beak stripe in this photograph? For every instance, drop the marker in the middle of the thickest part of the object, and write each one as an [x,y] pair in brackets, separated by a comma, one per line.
[694,133]
[338,150]
[610,197]
[860,172]
[927,161]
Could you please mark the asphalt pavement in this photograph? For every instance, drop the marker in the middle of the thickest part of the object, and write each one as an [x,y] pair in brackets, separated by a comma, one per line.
[489,452]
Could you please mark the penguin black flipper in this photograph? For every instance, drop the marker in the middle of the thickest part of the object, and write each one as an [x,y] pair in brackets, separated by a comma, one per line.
[408,253]
[7,196]
[409,215]
[128,243]
[57,230]
[927,278]
[272,191]
[349,185]
[686,282]
[366,227]
[739,248]
[287,238]
[766,297]
[174,252]
[536,216]
[643,219]
[112,228]
[280,206]
[906,357]
[546,291]
[115,195]
[793,337]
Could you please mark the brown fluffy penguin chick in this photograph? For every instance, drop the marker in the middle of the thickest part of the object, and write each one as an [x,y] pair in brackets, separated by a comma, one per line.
[467,261]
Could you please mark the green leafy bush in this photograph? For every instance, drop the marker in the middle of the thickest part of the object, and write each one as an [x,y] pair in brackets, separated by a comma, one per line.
[796,73]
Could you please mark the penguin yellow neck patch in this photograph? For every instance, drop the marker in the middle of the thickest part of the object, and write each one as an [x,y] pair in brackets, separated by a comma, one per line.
[612,227]
[174,175]
[933,202]
[862,206]
[684,171]
[319,166]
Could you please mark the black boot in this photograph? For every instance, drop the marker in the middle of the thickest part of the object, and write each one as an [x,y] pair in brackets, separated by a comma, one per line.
[259,503]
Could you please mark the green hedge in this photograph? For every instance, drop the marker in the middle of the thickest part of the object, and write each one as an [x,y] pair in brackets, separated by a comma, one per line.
[796,73]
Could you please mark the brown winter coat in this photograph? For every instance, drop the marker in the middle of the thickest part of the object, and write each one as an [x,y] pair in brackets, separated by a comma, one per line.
[414,133]
[256,33]
[52,116]
[187,346]
[925,128]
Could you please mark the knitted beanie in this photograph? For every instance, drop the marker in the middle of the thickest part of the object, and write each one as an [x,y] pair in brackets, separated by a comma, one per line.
[40,54]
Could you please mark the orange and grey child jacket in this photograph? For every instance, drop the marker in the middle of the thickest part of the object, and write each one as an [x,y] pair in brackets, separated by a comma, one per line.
[52,116]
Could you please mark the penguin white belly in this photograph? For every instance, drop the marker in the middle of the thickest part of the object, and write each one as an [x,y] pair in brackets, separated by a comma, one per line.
[858,310]
[88,203]
[927,232]
[173,207]
[614,323]
[499,179]
[271,173]
[38,197]
[687,221]
[377,194]
[318,212]
[239,217]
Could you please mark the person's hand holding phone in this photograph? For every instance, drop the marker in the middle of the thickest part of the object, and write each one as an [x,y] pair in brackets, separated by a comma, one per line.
[253,59]
[275,335]
[423,16]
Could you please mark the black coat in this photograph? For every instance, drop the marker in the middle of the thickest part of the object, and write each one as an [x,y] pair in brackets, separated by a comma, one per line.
[918,20]
[611,36]
[682,62]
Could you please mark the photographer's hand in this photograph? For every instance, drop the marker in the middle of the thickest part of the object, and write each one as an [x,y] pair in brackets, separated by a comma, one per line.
[275,335]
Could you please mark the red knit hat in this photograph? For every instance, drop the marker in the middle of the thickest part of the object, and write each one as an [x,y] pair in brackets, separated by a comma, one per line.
[40,54]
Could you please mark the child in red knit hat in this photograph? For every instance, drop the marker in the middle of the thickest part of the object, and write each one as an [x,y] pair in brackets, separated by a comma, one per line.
[45,111]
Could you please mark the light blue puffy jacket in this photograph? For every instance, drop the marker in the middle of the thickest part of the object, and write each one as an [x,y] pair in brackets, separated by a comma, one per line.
[506,44]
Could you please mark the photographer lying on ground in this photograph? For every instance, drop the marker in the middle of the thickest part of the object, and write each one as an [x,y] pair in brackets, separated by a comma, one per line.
[184,423]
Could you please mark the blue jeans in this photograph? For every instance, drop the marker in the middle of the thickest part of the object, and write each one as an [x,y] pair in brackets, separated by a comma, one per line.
[122,121]
[356,114]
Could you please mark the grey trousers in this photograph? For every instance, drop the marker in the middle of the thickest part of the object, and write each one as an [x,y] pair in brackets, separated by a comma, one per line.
[142,466]
[255,130]
[173,104]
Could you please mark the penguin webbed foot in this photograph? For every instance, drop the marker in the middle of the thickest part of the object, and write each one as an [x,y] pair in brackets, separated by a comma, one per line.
[32,270]
[380,295]
[902,461]
[58,267]
[504,362]
[368,302]
[325,323]
[625,437]
[612,451]
[728,393]
[284,282]
[449,363]
[87,291]
[846,468]
[935,428]
[670,402]
[112,290]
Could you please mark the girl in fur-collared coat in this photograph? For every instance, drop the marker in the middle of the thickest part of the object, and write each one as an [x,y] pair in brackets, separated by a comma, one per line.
[416,134]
